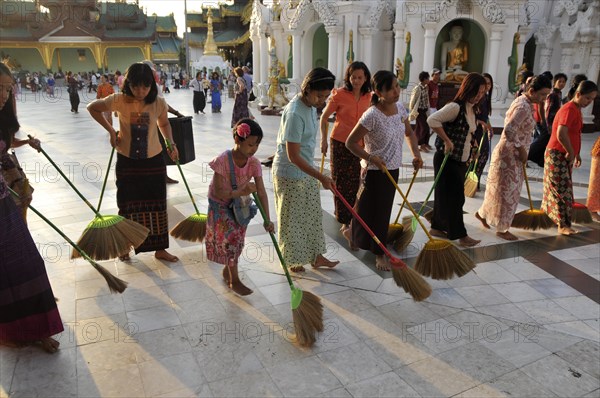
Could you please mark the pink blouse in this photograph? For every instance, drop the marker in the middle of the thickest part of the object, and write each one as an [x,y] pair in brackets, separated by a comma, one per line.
[243,175]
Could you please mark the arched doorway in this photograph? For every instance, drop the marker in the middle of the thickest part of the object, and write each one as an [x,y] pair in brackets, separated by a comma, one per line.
[320,48]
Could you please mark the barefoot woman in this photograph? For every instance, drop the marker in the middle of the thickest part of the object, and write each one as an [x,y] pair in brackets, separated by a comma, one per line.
[141,171]
[28,312]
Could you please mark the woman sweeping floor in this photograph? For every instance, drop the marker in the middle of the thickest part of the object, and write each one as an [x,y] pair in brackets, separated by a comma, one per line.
[562,154]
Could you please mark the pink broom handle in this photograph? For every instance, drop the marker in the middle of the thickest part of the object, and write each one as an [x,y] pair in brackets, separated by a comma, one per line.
[396,261]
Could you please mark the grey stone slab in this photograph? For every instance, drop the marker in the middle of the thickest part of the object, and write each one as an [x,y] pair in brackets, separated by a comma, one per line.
[479,296]
[432,377]
[506,313]
[353,363]
[385,385]
[518,291]
[316,377]
[513,348]
[553,288]
[408,312]
[581,306]
[584,355]
[118,382]
[153,318]
[545,311]
[255,384]
[514,384]
[561,377]
[448,297]
[477,362]
[172,373]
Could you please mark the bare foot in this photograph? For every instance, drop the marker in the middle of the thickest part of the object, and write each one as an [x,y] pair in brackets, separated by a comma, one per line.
[595,216]
[506,235]
[297,268]
[125,257]
[235,283]
[323,262]
[483,221]
[567,231]
[165,255]
[382,263]
[438,233]
[49,345]
[467,241]
[348,235]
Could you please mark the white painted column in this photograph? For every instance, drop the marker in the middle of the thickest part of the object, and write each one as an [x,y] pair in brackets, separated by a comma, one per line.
[398,40]
[341,55]
[366,40]
[388,56]
[280,40]
[255,56]
[333,33]
[494,50]
[566,59]
[545,58]
[592,72]
[296,43]
[429,46]
[263,99]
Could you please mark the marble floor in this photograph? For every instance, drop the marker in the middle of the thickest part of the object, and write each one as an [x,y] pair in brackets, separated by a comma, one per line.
[524,323]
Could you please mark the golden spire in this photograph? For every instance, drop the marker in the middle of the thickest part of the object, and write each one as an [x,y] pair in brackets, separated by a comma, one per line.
[210,47]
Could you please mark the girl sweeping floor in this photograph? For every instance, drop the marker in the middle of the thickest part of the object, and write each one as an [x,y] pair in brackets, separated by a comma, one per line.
[382,127]
[224,235]
[562,154]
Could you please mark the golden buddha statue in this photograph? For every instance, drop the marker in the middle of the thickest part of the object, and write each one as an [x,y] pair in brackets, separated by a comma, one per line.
[454,56]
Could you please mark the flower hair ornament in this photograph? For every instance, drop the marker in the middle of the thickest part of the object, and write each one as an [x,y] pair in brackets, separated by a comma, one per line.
[243,130]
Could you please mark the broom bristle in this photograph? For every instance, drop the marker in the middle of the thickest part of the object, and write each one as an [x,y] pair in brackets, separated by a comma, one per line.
[440,259]
[412,282]
[394,232]
[406,237]
[192,229]
[113,241]
[581,214]
[308,319]
[115,285]
[470,187]
[532,220]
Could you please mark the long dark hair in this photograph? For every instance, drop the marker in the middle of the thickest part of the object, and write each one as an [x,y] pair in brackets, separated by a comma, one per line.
[586,87]
[577,79]
[140,74]
[317,79]
[469,88]
[488,97]
[354,66]
[9,124]
[382,80]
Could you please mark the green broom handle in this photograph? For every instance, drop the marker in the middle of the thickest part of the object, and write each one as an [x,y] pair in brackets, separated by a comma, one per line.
[68,181]
[476,155]
[61,233]
[264,216]
[437,178]
[112,153]
[408,203]
[527,185]
[407,192]
[168,143]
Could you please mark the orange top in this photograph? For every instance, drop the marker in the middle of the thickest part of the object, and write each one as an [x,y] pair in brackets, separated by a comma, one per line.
[348,111]
[104,90]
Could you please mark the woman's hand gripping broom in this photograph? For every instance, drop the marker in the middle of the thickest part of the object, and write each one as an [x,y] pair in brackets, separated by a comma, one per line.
[307,310]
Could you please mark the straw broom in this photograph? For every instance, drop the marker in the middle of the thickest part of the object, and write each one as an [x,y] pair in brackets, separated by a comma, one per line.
[580,214]
[439,259]
[405,277]
[532,219]
[307,310]
[395,230]
[106,236]
[472,179]
[193,228]
[115,284]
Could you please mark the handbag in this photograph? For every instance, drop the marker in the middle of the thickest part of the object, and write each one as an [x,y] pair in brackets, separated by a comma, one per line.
[16,179]
[243,208]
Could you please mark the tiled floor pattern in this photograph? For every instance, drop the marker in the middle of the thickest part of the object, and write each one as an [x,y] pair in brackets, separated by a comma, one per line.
[516,326]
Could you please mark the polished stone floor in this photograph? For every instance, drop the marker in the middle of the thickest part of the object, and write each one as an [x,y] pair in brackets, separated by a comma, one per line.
[524,323]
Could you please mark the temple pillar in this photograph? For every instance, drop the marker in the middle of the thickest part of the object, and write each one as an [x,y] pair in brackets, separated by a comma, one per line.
[366,36]
[429,46]
[494,50]
[263,81]
[333,33]
[398,40]
[296,44]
